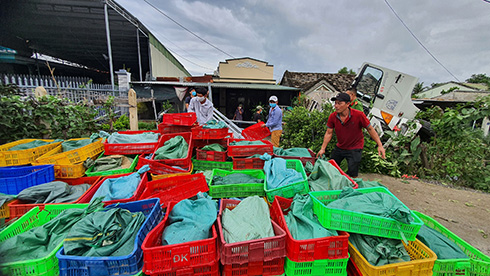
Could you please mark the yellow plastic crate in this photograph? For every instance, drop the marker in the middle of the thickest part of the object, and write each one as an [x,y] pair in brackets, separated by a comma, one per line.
[5,210]
[23,157]
[421,263]
[72,157]
[69,171]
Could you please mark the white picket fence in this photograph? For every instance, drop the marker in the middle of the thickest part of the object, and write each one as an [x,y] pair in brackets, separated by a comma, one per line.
[76,89]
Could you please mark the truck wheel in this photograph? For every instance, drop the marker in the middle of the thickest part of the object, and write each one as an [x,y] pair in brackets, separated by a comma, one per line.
[426,132]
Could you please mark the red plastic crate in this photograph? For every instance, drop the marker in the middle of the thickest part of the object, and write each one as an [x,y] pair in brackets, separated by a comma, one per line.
[165,128]
[260,250]
[209,155]
[19,207]
[245,151]
[334,247]
[181,162]
[256,132]
[303,160]
[160,258]
[209,133]
[211,269]
[268,268]
[130,148]
[175,188]
[248,163]
[180,119]
[157,167]
[352,269]
[354,184]
[139,190]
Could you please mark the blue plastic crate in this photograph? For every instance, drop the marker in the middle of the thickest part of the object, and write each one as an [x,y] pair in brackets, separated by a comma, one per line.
[122,265]
[17,178]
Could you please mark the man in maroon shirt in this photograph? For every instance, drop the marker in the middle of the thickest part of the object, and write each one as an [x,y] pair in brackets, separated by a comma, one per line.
[348,124]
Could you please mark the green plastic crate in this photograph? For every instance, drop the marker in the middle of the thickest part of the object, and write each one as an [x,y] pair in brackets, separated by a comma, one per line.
[237,190]
[477,265]
[43,266]
[327,267]
[202,165]
[290,190]
[361,223]
[113,172]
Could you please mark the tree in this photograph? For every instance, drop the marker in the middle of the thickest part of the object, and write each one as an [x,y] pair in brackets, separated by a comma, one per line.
[344,70]
[419,87]
[479,78]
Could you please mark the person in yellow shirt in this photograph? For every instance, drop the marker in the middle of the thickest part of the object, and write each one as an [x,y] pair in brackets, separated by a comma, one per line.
[354,103]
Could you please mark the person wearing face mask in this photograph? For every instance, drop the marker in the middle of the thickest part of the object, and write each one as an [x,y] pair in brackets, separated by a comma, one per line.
[202,106]
[187,99]
[274,122]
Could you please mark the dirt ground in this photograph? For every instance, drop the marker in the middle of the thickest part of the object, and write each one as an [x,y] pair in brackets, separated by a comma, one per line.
[466,213]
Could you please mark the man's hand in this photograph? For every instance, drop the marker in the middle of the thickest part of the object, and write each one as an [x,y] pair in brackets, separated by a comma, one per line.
[320,153]
[381,152]
[263,125]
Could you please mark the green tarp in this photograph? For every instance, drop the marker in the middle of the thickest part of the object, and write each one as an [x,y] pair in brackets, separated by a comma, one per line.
[33,144]
[235,178]
[190,220]
[174,148]
[118,138]
[367,184]
[112,162]
[380,251]
[376,203]
[120,187]
[324,176]
[212,124]
[440,244]
[297,152]
[53,192]
[277,174]
[247,143]
[301,221]
[213,147]
[75,144]
[5,198]
[249,220]
[40,241]
[104,234]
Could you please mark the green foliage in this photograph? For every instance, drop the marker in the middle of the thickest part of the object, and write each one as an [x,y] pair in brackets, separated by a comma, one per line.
[167,106]
[479,78]
[344,70]
[306,129]
[371,162]
[419,87]
[46,117]
[147,126]
[122,123]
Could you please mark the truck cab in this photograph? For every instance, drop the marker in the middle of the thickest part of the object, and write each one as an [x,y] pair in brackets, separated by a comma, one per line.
[387,98]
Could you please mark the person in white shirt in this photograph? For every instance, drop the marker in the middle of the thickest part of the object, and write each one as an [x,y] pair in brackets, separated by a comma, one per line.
[202,106]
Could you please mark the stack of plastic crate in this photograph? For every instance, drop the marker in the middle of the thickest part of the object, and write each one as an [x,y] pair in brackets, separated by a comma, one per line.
[422,258]
[199,258]
[255,257]
[242,154]
[320,256]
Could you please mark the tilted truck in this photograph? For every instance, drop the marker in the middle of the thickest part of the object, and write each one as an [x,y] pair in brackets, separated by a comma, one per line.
[386,96]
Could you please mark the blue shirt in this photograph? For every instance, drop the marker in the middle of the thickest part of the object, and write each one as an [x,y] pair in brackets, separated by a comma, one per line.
[275,119]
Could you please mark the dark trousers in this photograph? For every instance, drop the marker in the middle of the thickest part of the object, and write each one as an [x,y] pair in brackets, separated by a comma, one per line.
[353,159]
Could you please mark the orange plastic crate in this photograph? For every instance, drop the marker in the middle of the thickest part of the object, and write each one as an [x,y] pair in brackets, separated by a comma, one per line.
[260,250]
[166,128]
[333,247]
[181,162]
[139,190]
[130,148]
[175,188]
[209,133]
[23,157]
[245,151]
[160,258]
[268,268]
[256,132]
[248,163]
[19,207]
[180,119]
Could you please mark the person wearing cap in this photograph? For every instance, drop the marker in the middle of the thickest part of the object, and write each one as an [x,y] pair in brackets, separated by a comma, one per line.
[274,122]
[201,106]
[348,124]
[258,114]
[354,103]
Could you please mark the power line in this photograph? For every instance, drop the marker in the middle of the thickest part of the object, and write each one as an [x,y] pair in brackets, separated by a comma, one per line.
[180,25]
[488,1]
[414,36]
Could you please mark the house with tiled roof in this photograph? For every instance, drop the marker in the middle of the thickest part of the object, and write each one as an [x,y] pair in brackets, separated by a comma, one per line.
[318,87]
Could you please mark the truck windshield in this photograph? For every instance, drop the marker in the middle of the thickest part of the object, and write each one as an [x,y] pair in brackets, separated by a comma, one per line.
[368,84]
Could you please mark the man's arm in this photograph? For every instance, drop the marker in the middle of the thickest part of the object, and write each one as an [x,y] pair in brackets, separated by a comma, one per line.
[326,140]
[273,121]
[375,137]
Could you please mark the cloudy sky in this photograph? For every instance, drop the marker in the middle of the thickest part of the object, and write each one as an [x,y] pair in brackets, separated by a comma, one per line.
[324,36]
